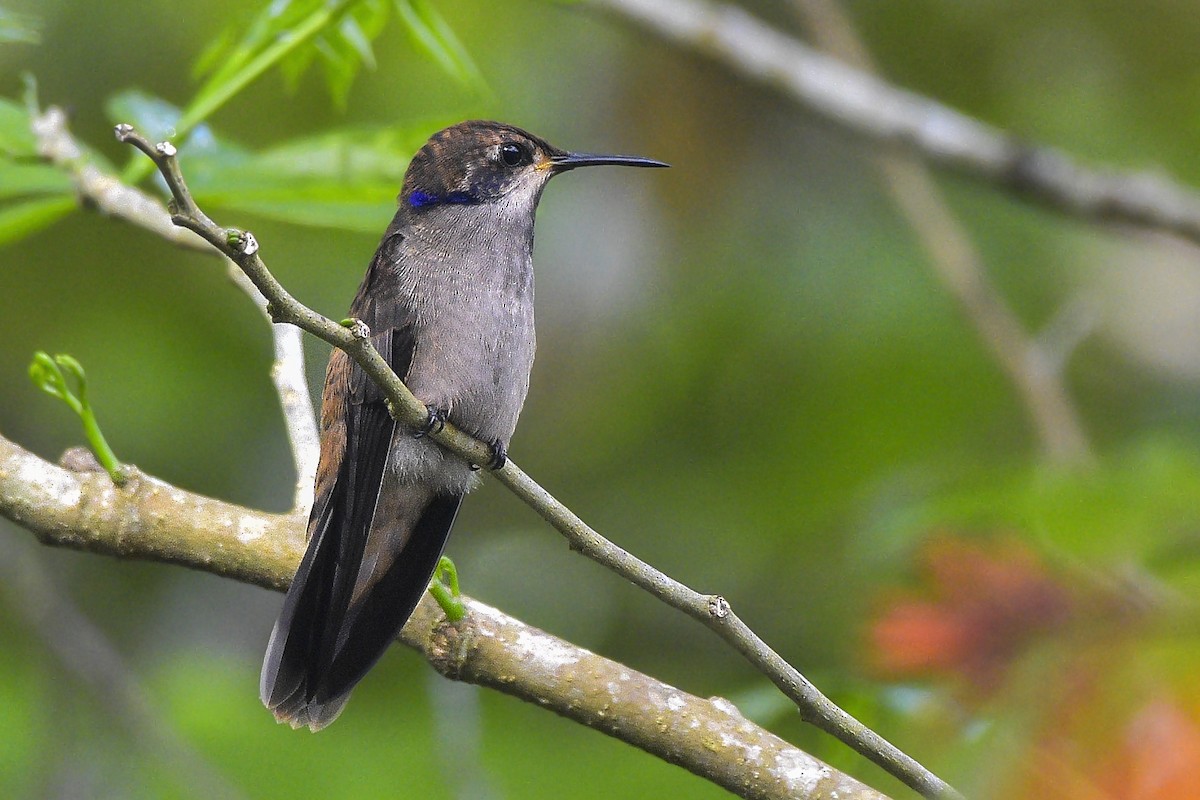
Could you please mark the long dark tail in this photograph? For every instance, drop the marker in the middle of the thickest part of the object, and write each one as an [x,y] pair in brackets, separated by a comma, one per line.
[321,647]
[362,575]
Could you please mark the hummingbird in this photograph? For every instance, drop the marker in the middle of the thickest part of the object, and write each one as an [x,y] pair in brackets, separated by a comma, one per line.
[448,301]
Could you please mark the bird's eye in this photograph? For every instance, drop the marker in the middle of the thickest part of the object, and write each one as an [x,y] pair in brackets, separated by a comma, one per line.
[514,155]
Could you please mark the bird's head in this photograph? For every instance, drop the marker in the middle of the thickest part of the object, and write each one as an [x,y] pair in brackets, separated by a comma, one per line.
[480,162]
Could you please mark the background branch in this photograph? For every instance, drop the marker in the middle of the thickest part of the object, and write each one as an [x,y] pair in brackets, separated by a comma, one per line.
[712,610]
[958,263]
[104,192]
[112,197]
[152,520]
[880,111]
[291,385]
[85,652]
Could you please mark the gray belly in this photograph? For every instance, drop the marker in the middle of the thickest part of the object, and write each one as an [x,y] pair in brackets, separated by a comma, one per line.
[473,359]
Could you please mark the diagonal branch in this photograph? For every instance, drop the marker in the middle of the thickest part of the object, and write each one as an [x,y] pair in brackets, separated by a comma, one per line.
[882,112]
[150,519]
[712,610]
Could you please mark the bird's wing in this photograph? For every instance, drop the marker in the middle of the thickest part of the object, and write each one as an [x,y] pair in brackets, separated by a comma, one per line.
[338,619]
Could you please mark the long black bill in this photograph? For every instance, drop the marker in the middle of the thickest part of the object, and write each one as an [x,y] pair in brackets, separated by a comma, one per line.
[565,161]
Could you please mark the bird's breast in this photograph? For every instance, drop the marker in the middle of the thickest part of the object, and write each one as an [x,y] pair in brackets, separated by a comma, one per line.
[475,342]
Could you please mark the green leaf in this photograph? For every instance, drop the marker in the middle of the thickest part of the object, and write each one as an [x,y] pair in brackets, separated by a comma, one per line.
[72,365]
[346,47]
[289,33]
[346,179]
[214,53]
[154,117]
[19,28]
[431,32]
[17,180]
[22,219]
[351,154]
[47,375]
[340,66]
[230,54]
[16,136]
[444,588]
[314,209]
[351,31]
[282,28]
[293,66]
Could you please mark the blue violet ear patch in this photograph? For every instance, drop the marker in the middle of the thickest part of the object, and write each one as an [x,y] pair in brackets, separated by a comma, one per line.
[420,199]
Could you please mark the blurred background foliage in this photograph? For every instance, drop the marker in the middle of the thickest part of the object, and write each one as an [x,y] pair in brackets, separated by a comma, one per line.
[748,375]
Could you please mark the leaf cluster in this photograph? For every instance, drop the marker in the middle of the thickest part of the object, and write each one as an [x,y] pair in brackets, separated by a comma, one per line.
[344,178]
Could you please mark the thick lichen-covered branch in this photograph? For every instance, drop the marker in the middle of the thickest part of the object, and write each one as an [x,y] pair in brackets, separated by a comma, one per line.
[150,519]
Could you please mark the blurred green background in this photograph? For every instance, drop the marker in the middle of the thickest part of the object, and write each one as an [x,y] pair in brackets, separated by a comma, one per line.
[747,375]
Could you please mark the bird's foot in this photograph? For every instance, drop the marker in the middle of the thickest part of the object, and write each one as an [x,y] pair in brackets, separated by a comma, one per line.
[435,424]
[499,456]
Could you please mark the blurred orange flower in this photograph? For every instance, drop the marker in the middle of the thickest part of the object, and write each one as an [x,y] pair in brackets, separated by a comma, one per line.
[1159,758]
[1101,723]
[982,603]
[1155,756]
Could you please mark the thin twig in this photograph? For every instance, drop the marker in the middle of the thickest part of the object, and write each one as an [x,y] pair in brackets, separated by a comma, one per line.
[878,110]
[959,265]
[291,385]
[713,610]
[108,195]
[150,519]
